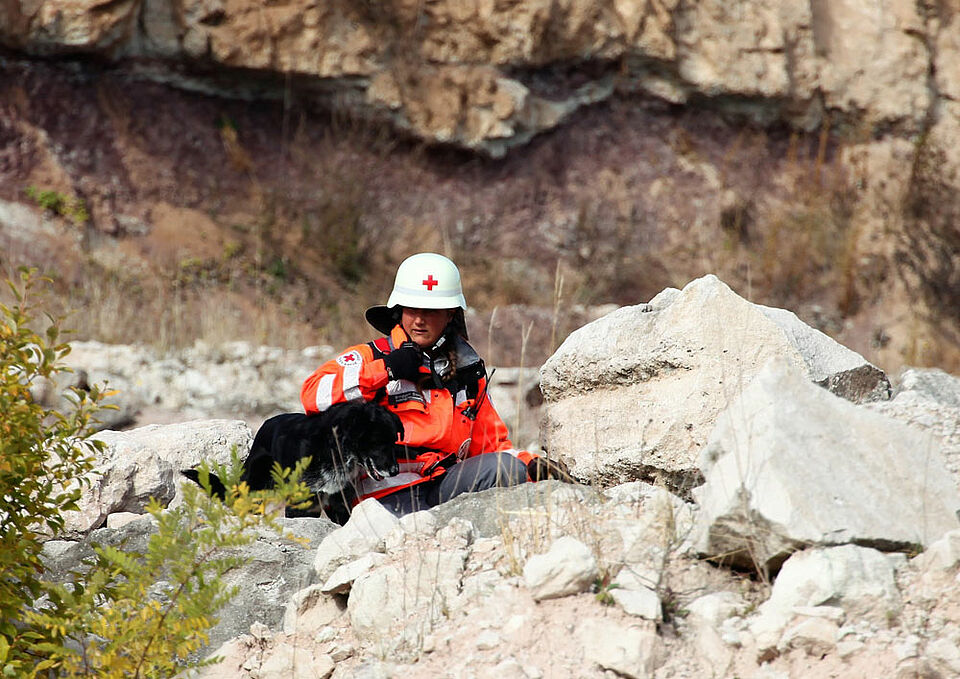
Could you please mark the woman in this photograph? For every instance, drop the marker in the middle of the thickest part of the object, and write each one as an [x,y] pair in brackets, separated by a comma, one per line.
[425,371]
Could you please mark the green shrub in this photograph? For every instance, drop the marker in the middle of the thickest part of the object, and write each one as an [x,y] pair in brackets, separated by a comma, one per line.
[74,209]
[124,614]
[41,453]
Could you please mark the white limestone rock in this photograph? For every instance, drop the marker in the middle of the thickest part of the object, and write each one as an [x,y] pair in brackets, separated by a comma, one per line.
[370,522]
[339,582]
[790,465]
[391,607]
[291,662]
[857,579]
[635,394]
[634,651]
[145,463]
[713,608]
[929,400]
[942,555]
[642,602]
[310,610]
[815,636]
[568,567]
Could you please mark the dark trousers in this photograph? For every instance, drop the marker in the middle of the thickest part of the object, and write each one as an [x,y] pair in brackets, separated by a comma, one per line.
[489,470]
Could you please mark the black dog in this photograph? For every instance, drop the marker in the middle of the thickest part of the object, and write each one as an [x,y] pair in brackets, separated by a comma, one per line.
[342,442]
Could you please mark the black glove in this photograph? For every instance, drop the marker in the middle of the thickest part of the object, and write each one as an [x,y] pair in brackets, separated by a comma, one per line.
[403,363]
[540,468]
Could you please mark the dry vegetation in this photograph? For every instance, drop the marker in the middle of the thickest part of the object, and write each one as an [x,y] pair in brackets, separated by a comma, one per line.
[212,219]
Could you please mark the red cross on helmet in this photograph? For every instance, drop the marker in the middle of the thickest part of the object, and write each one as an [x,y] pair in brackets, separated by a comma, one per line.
[427,281]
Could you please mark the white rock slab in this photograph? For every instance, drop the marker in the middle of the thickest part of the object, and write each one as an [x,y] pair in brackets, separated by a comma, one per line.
[815,636]
[713,608]
[942,555]
[641,603]
[392,608]
[290,662]
[341,579]
[790,465]
[929,400]
[309,611]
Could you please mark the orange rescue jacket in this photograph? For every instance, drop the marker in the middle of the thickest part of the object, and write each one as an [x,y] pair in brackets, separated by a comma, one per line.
[440,424]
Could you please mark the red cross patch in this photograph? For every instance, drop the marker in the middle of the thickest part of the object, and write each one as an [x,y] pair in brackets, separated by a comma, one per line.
[350,358]
[430,281]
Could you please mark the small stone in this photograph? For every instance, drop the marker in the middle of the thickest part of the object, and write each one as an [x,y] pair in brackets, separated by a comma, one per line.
[488,640]
[325,634]
[569,567]
[341,652]
[846,649]
[908,648]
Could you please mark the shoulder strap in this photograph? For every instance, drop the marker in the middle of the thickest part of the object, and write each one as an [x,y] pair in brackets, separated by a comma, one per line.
[381,347]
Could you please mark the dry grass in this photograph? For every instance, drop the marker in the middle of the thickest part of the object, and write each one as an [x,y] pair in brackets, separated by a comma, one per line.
[315,212]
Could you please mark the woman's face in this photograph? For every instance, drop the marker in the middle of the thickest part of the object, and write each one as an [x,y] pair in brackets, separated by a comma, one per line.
[425,325]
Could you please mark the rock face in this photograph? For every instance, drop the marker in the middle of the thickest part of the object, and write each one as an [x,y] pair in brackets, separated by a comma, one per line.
[789,465]
[636,393]
[452,71]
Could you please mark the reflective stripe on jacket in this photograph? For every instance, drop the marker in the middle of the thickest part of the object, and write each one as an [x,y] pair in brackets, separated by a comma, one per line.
[434,419]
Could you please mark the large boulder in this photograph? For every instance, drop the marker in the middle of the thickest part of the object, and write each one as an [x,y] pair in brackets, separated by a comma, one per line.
[145,463]
[635,394]
[790,465]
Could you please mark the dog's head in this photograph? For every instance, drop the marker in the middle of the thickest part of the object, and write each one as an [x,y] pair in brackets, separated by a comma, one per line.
[371,433]
[377,445]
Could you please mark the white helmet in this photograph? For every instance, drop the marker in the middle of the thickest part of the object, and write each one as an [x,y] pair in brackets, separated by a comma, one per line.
[427,281]
[424,281]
